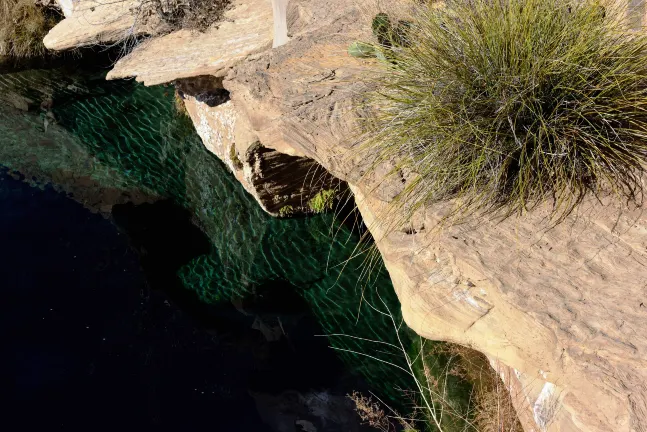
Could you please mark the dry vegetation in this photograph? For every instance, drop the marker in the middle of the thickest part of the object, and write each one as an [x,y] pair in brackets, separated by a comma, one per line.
[490,407]
[23,24]
[370,412]
[493,410]
[189,14]
[451,388]
[504,104]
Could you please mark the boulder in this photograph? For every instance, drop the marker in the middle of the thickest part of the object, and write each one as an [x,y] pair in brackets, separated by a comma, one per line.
[95,22]
[245,30]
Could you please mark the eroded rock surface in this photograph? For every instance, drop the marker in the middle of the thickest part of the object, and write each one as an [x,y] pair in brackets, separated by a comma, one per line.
[280,182]
[96,22]
[563,307]
[246,29]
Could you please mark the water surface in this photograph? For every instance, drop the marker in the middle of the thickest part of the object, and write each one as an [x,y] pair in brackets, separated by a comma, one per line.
[188,305]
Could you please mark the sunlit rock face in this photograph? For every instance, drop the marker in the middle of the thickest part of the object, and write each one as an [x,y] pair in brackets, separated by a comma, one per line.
[560,306]
[276,180]
[246,29]
[96,22]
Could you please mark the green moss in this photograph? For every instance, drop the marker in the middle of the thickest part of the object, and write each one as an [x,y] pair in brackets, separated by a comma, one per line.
[180,108]
[233,155]
[323,201]
[286,211]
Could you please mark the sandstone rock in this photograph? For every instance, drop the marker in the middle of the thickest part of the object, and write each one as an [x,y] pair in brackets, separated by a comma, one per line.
[276,180]
[245,30]
[560,305]
[95,22]
[298,95]
[563,307]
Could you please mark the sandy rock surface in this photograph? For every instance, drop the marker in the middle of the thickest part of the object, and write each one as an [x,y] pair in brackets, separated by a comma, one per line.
[246,29]
[100,22]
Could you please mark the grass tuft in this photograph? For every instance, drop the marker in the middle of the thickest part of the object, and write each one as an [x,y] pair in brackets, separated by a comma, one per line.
[23,25]
[504,104]
[233,156]
[178,102]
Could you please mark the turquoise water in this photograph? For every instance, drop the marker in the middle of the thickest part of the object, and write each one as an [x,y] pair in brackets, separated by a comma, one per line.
[126,137]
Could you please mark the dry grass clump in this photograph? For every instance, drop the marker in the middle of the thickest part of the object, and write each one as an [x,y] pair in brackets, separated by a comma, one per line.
[504,104]
[190,14]
[23,24]
[494,411]
[467,393]
[442,372]
[492,407]
[370,412]
[452,388]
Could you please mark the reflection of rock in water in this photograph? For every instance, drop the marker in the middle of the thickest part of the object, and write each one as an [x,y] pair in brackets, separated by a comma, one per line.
[164,236]
[308,412]
[289,362]
[231,219]
[256,254]
[86,343]
[165,239]
[33,144]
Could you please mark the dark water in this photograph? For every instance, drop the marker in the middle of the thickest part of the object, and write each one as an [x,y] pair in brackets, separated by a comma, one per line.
[87,343]
[187,306]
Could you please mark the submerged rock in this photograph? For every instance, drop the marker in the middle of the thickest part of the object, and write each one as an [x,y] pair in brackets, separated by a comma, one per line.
[307,412]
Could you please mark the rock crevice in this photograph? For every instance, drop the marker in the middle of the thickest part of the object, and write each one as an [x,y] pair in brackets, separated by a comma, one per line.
[283,184]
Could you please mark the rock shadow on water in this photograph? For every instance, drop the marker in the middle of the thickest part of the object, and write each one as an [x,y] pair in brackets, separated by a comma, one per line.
[229,342]
[296,381]
[98,333]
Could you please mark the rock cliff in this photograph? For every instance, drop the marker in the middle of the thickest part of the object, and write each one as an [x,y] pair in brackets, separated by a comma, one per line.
[562,308]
